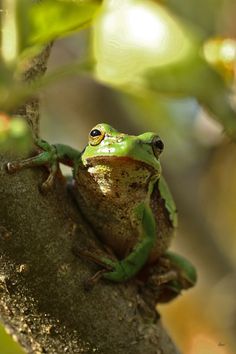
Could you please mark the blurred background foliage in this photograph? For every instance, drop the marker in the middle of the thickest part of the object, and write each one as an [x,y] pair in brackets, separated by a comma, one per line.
[166,66]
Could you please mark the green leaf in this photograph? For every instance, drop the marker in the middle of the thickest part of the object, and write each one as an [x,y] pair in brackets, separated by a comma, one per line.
[42,22]
[8,345]
[196,78]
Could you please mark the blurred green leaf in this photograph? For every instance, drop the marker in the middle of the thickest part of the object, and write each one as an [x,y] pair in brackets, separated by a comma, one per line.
[8,345]
[203,13]
[194,77]
[15,134]
[166,56]
[132,36]
[42,22]
[37,24]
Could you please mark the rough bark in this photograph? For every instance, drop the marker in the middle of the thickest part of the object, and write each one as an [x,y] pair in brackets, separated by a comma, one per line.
[43,301]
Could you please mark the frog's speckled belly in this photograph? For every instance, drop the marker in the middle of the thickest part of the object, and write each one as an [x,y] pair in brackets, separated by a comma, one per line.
[108,192]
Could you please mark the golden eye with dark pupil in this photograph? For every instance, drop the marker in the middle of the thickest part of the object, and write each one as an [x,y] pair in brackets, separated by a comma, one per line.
[157,146]
[96,135]
[95,132]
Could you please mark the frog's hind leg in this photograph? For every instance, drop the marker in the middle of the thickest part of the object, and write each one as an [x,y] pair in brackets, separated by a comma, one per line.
[127,268]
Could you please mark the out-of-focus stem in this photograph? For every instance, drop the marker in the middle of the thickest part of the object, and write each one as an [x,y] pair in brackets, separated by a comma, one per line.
[9,36]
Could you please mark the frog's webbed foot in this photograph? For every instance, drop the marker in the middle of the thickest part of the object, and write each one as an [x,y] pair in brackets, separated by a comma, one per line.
[89,283]
[98,259]
[165,278]
[47,157]
[169,276]
[107,264]
[185,271]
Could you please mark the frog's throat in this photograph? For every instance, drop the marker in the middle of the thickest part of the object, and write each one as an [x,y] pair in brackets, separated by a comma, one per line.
[92,161]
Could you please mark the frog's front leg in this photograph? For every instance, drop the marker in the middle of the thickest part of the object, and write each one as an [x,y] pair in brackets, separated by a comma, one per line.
[127,268]
[51,155]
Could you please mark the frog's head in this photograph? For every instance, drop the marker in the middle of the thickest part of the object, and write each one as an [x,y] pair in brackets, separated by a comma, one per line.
[106,142]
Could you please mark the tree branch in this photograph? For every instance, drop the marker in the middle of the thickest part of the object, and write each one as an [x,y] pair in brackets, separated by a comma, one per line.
[43,301]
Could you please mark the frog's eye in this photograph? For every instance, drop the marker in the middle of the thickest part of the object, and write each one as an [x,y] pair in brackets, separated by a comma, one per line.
[95,136]
[157,146]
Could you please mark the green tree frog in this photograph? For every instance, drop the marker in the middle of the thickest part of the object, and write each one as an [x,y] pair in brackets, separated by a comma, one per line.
[120,190]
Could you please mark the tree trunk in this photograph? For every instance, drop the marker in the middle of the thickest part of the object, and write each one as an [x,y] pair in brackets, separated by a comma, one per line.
[44,303]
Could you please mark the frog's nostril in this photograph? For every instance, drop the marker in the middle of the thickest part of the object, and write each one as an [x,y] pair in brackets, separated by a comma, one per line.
[120,138]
